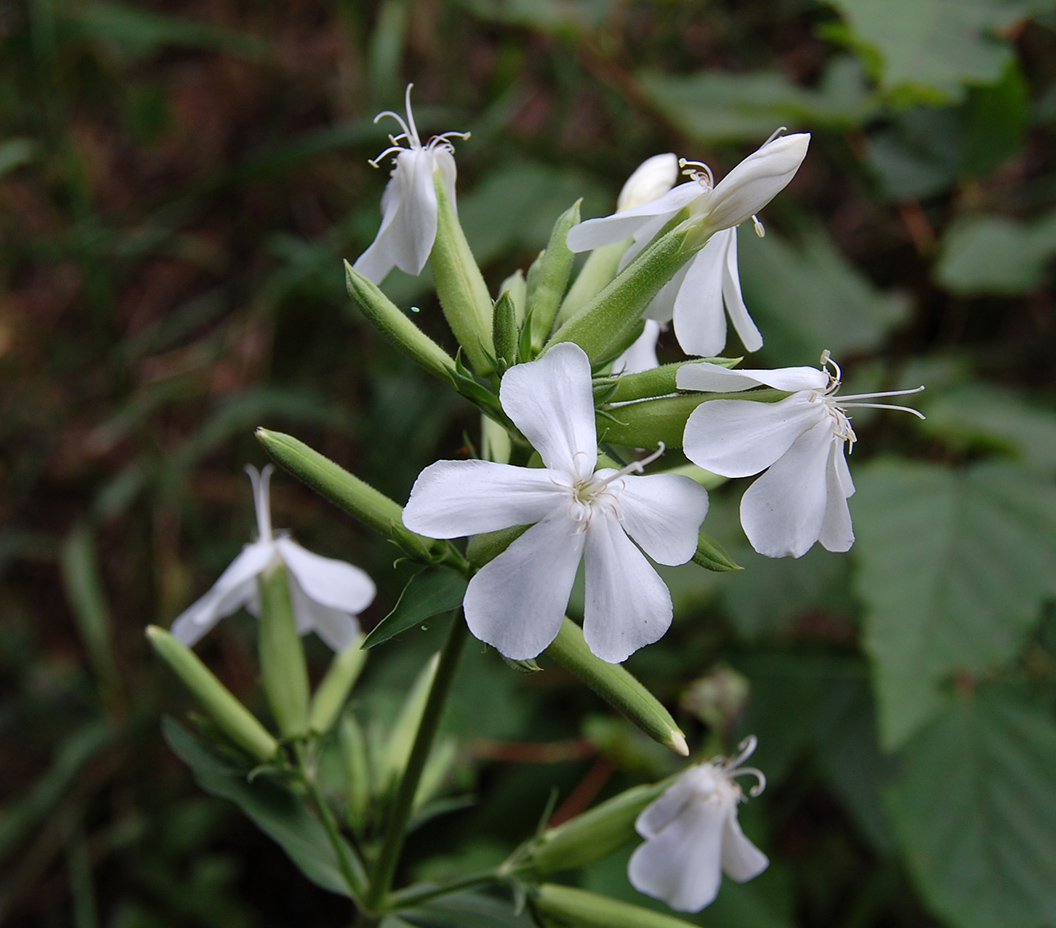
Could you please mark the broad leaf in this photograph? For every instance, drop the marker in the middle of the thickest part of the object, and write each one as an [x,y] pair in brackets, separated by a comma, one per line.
[991,254]
[274,810]
[433,591]
[954,566]
[974,807]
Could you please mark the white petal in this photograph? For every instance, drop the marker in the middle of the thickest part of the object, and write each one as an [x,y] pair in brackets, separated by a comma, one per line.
[693,783]
[451,499]
[337,628]
[746,330]
[837,534]
[516,602]
[663,512]
[738,438]
[700,323]
[551,402]
[741,860]
[651,179]
[641,356]
[409,210]
[757,180]
[327,581]
[681,865]
[662,307]
[782,513]
[233,590]
[712,377]
[627,604]
[593,233]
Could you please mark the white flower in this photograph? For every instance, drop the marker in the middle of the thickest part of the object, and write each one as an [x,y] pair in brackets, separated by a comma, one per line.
[516,602]
[651,179]
[802,498]
[326,594]
[409,204]
[695,296]
[692,835]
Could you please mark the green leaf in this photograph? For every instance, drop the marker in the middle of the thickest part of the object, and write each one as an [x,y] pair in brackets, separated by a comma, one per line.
[274,810]
[980,416]
[974,806]
[991,254]
[467,910]
[431,592]
[799,294]
[954,566]
[929,49]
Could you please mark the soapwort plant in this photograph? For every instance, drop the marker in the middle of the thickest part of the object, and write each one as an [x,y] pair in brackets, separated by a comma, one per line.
[548,368]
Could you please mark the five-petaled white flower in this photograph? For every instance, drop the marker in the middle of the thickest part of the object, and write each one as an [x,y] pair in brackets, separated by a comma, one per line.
[409,205]
[802,498]
[692,835]
[326,594]
[695,296]
[517,601]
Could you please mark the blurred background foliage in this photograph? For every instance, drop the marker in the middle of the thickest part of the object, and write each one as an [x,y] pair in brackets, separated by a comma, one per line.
[178,183]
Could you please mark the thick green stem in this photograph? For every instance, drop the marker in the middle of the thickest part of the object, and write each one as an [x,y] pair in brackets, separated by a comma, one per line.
[352,869]
[385,865]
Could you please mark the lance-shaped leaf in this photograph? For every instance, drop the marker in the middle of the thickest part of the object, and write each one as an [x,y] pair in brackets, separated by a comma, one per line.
[433,591]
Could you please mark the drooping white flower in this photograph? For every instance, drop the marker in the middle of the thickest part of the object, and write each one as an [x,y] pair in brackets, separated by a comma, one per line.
[802,497]
[695,296]
[692,835]
[326,594]
[517,601]
[409,204]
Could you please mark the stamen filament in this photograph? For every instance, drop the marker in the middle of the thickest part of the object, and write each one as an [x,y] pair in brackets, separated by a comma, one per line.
[916,412]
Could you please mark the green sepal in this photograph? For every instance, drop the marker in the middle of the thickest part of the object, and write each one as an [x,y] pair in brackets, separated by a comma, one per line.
[506,330]
[590,836]
[647,423]
[463,294]
[577,908]
[548,278]
[660,381]
[603,325]
[230,716]
[478,394]
[598,271]
[430,592]
[356,763]
[348,492]
[396,327]
[283,670]
[712,556]
[617,687]
[526,666]
[489,545]
[331,694]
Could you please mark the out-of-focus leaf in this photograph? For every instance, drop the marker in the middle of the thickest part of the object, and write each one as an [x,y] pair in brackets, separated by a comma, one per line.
[953,569]
[983,416]
[563,16]
[140,32]
[800,295]
[428,593]
[974,807]
[928,50]
[467,910]
[712,106]
[16,152]
[274,810]
[387,44]
[919,154]
[991,254]
[996,121]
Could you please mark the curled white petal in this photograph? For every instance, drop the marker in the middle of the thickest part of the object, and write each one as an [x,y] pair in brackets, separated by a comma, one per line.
[713,377]
[700,322]
[336,627]
[327,581]
[607,230]
[741,860]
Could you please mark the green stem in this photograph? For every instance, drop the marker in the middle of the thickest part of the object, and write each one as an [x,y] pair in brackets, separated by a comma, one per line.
[385,865]
[352,869]
[425,892]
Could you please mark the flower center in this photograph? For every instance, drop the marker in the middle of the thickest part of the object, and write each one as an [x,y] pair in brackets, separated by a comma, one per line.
[594,490]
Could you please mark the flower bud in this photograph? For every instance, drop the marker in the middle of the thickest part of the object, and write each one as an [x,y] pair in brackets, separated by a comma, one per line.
[578,908]
[230,716]
[548,279]
[651,179]
[283,672]
[617,687]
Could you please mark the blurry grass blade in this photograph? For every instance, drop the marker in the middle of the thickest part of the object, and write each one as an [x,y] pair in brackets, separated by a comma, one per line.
[437,767]
[332,692]
[140,32]
[401,736]
[234,719]
[431,592]
[549,277]
[84,591]
[23,814]
[386,51]
[82,890]
[617,687]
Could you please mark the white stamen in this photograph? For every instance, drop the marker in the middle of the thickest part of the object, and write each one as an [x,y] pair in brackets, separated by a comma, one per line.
[760,230]
[410,134]
[780,130]
[698,171]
